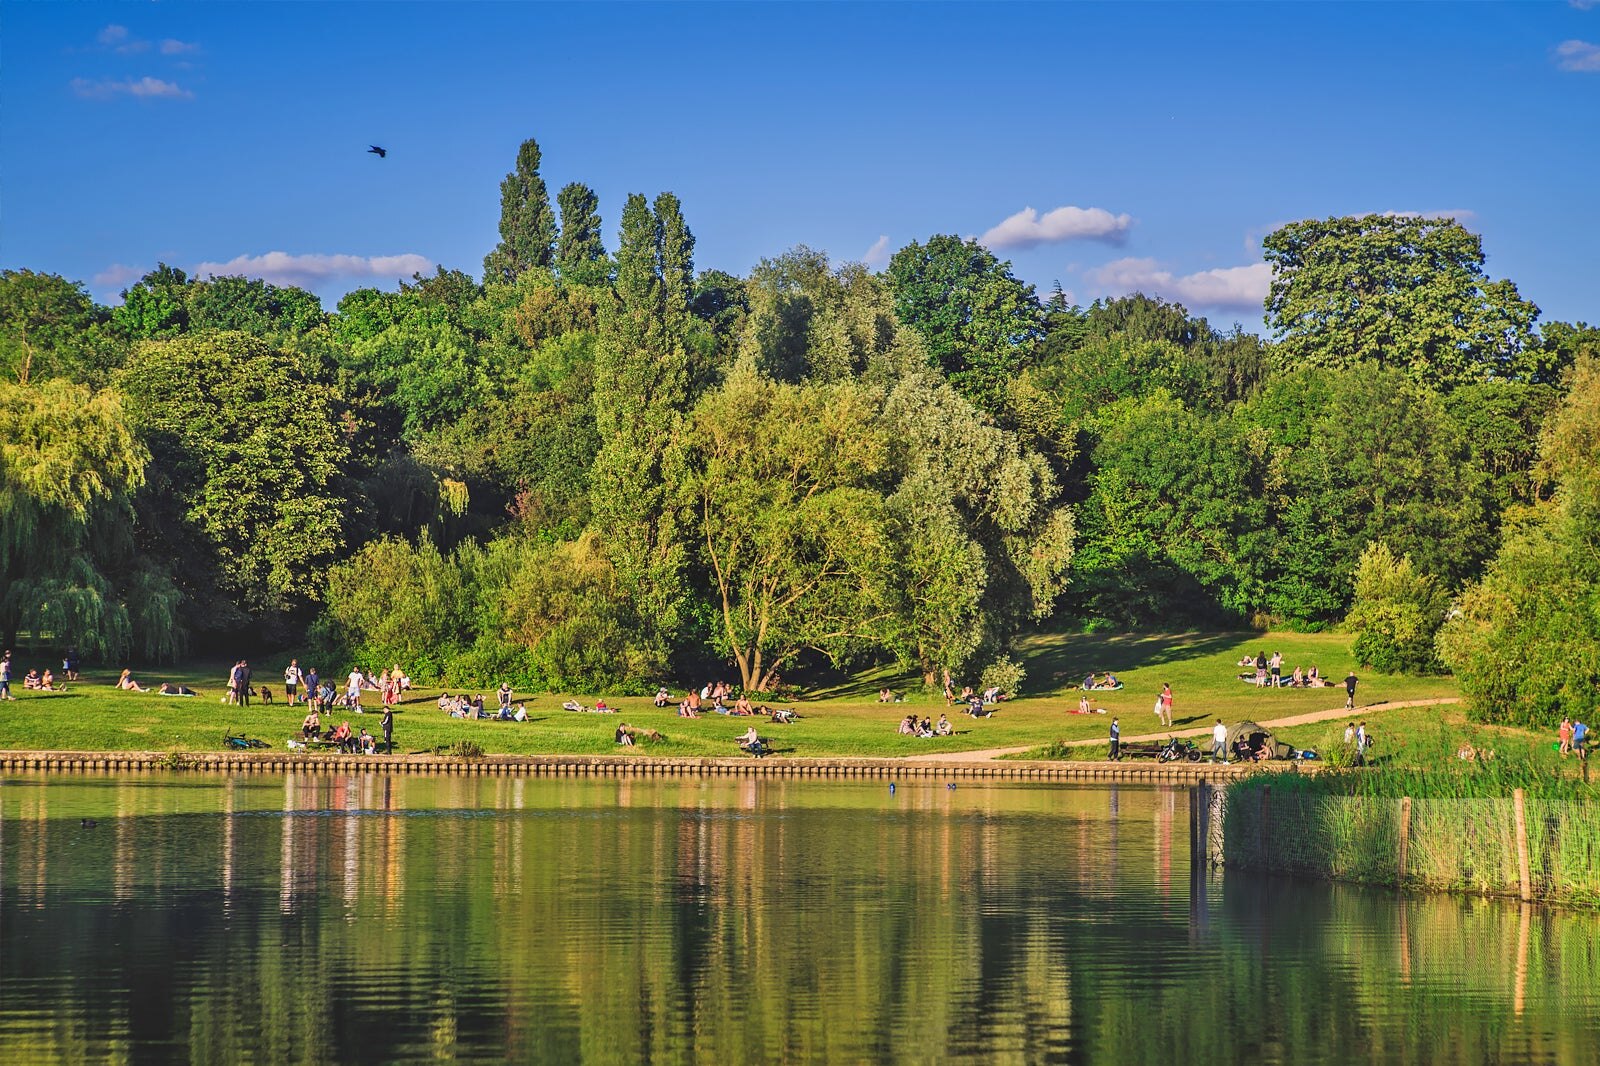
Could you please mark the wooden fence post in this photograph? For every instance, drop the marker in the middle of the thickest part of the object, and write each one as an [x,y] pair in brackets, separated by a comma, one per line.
[1405,839]
[1519,808]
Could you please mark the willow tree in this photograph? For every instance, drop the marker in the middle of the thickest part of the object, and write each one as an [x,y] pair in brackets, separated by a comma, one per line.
[786,496]
[69,462]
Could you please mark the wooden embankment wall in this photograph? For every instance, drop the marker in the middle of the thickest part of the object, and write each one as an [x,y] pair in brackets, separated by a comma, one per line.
[1127,772]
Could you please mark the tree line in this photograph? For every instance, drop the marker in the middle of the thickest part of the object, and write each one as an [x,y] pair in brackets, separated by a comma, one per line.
[599,468]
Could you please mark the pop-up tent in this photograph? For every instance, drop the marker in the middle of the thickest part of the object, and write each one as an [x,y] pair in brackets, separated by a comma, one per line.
[1257,737]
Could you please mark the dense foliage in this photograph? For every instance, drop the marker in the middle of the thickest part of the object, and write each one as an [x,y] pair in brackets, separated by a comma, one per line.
[598,469]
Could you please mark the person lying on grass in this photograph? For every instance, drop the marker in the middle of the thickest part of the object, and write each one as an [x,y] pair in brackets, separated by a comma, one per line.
[167,688]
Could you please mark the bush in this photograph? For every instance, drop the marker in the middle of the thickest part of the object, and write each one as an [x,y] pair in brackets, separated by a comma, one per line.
[1396,614]
[1005,674]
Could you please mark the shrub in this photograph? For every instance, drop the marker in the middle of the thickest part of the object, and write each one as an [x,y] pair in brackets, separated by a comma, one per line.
[1396,614]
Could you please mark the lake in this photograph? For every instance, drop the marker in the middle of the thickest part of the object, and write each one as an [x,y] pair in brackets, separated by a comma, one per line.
[369,918]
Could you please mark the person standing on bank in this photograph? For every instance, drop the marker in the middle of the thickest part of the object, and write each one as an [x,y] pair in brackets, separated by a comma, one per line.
[293,678]
[1219,741]
[1350,691]
[1166,705]
[387,725]
[1116,741]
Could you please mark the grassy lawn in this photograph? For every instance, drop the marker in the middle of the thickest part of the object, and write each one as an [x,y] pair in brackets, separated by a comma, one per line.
[840,717]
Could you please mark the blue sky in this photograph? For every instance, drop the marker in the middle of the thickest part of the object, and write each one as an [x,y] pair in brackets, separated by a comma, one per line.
[1155,144]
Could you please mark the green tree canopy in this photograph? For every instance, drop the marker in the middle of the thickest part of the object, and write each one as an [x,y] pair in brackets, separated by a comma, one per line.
[251,447]
[1396,291]
[1525,640]
[580,250]
[981,324]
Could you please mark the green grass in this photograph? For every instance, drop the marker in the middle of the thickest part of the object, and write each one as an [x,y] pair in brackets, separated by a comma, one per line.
[840,715]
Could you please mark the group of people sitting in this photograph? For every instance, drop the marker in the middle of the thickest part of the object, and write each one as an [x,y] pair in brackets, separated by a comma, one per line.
[339,736]
[46,682]
[473,708]
[1267,672]
[1104,683]
[911,727]
[695,703]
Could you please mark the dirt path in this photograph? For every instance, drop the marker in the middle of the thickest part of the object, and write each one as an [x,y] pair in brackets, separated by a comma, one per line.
[1200,731]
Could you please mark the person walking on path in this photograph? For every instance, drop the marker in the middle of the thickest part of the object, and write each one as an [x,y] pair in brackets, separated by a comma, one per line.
[1166,705]
[5,677]
[387,725]
[1116,741]
[292,680]
[1350,691]
[1219,741]
[1363,742]
[1566,737]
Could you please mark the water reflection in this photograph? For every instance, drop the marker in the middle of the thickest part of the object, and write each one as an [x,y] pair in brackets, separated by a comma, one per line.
[381,919]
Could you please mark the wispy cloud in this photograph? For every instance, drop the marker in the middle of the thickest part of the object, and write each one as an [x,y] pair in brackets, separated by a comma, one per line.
[145,88]
[173,47]
[877,256]
[1028,229]
[117,275]
[1580,57]
[1584,5]
[119,39]
[1241,288]
[281,268]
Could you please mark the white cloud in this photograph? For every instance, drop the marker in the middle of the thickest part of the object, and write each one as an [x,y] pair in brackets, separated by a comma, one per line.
[1240,288]
[118,39]
[117,275]
[1578,56]
[1027,228]
[281,268]
[145,88]
[877,256]
[1583,5]
[173,47]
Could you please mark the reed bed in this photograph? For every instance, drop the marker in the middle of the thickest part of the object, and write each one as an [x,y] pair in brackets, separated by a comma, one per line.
[1451,829]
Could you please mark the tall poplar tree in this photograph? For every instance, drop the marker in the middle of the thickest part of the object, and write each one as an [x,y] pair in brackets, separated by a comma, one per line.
[580,249]
[641,381]
[675,250]
[527,223]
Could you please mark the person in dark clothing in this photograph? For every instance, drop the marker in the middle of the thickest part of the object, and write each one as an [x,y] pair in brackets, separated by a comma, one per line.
[387,725]
[1350,691]
[1116,740]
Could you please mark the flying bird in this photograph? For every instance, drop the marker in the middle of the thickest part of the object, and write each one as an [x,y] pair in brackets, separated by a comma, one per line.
[381,153]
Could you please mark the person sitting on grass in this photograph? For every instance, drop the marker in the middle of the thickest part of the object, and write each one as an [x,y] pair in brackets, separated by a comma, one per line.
[310,725]
[126,682]
[943,728]
[48,683]
[663,697]
[521,714]
[751,741]
[908,725]
[368,745]
[925,730]
[340,735]
[624,735]
[31,679]
[885,696]
[742,706]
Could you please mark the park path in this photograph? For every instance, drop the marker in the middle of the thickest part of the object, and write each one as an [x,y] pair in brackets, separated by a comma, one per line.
[1199,731]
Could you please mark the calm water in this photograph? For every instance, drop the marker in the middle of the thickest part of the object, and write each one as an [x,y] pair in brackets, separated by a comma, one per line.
[373,919]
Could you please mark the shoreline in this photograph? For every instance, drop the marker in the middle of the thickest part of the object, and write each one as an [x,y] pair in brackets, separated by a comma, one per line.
[620,766]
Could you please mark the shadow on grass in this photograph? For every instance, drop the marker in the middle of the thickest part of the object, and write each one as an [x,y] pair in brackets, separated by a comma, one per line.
[1057,661]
